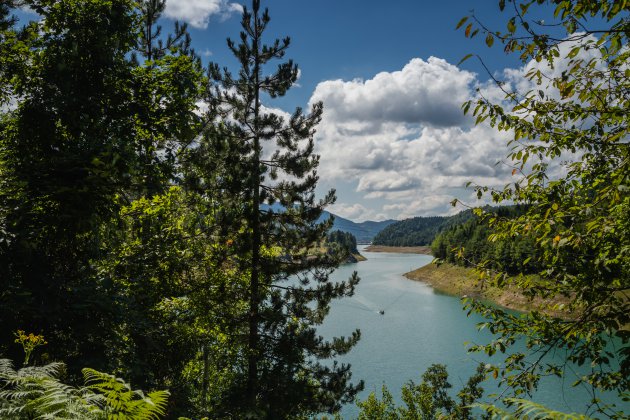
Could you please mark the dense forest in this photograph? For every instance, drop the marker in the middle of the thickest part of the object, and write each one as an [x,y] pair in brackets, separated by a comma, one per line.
[466,241]
[410,232]
[345,240]
[419,231]
[140,230]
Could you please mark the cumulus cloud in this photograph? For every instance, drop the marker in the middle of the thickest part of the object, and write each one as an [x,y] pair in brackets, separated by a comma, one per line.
[403,139]
[356,212]
[423,92]
[198,12]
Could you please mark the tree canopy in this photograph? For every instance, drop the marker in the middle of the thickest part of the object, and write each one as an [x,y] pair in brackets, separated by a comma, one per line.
[571,113]
[134,232]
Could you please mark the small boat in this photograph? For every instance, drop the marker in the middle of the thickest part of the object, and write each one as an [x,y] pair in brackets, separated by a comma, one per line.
[382,312]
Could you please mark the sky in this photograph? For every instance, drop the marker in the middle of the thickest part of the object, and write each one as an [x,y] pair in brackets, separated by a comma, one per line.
[393,140]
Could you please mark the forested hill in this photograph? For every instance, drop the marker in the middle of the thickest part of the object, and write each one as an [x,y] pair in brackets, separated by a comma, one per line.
[418,231]
[470,238]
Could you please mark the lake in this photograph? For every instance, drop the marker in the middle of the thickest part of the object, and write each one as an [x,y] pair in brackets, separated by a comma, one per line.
[419,327]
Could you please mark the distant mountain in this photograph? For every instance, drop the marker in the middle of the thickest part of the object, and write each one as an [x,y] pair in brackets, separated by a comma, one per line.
[364,231]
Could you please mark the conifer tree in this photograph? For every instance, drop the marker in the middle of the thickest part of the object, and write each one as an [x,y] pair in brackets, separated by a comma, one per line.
[272,186]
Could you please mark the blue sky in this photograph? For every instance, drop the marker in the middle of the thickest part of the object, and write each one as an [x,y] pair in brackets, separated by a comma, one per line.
[393,140]
[408,151]
[350,39]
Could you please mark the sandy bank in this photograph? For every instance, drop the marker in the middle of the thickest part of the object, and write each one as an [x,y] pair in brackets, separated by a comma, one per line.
[399,249]
[461,281]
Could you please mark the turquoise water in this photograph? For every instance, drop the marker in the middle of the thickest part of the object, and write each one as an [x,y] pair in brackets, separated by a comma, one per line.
[419,328]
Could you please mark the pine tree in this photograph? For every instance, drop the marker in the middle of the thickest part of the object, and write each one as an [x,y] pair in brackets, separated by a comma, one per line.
[273,186]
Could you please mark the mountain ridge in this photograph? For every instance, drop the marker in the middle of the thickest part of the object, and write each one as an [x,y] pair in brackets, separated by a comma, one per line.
[364,232]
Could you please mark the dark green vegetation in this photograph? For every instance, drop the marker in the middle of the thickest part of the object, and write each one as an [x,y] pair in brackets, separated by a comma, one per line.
[136,230]
[344,243]
[345,240]
[37,392]
[410,232]
[429,399]
[468,244]
[418,231]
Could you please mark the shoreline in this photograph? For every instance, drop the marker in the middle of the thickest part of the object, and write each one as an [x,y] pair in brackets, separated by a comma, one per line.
[463,282]
[425,250]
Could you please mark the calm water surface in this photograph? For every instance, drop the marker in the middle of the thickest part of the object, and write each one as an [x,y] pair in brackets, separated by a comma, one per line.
[419,328]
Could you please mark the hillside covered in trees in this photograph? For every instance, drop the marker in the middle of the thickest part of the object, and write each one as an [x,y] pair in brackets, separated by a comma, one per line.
[467,242]
[418,231]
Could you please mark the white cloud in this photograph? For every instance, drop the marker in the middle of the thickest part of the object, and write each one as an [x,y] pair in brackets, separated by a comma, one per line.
[403,139]
[206,53]
[198,12]
[356,212]
[423,92]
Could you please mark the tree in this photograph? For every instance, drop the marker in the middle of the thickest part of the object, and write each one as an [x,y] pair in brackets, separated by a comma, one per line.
[345,240]
[288,290]
[575,108]
[182,301]
[64,153]
[92,129]
[428,400]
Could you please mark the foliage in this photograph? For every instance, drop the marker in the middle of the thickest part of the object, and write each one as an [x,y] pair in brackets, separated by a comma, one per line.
[428,400]
[410,232]
[289,291]
[91,129]
[467,244]
[37,393]
[526,409]
[572,110]
[345,240]
[181,299]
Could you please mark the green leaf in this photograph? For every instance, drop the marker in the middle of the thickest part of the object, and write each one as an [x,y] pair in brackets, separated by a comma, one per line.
[489,40]
[466,57]
[468,29]
[511,26]
[461,22]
